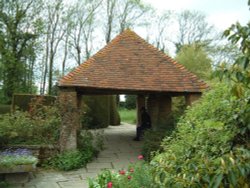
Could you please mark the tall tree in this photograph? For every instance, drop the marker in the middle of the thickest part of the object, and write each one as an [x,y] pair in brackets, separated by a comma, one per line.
[131,13]
[20,23]
[54,33]
[110,13]
[224,52]
[123,14]
[159,29]
[196,60]
[193,28]
[83,22]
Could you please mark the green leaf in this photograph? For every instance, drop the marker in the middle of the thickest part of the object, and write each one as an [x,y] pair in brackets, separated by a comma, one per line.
[239,76]
[237,90]
[232,178]
[217,180]
[246,62]
[226,32]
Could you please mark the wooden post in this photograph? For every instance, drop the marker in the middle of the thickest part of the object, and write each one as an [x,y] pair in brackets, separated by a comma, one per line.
[69,102]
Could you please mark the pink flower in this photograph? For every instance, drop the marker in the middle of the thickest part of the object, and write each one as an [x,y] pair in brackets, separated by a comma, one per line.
[129,177]
[109,185]
[122,172]
[131,170]
[140,157]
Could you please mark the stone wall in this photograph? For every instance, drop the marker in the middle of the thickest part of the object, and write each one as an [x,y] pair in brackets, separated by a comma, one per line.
[69,108]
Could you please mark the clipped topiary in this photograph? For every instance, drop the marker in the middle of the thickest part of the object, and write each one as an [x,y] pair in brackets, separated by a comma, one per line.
[95,111]
[114,114]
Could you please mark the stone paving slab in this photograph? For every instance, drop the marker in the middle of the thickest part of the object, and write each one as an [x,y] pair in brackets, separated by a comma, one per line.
[120,151]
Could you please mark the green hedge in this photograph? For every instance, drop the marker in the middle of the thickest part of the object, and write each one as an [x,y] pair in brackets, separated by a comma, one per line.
[22,101]
[99,111]
[96,111]
[114,114]
[4,108]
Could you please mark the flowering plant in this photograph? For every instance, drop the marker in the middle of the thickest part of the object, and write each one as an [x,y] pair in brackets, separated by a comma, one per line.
[10,157]
[138,175]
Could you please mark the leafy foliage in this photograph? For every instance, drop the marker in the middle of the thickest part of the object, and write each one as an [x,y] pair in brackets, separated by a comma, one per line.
[19,31]
[69,160]
[203,151]
[138,175]
[195,59]
[130,102]
[239,72]
[152,143]
[89,145]
[39,125]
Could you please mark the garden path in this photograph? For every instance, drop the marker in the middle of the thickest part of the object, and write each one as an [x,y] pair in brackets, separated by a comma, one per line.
[120,150]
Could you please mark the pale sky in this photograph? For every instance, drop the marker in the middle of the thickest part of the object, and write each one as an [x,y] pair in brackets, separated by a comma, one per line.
[221,13]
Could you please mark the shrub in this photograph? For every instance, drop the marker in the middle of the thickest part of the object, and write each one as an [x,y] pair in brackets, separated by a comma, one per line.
[178,108]
[69,160]
[89,145]
[202,151]
[90,141]
[152,143]
[23,101]
[39,125]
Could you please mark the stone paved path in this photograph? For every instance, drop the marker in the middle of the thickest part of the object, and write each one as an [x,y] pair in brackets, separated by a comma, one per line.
[120,150]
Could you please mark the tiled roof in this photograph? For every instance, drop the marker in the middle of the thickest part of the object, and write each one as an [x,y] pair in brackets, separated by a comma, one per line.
[128,62]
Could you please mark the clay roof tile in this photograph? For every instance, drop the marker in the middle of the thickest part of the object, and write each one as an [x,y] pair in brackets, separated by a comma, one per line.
[128,62]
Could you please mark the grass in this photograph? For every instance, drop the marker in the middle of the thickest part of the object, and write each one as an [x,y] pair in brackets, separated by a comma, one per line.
[128,116]
[4,108]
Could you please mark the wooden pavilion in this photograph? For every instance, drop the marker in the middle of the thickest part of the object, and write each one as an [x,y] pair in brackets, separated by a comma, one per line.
[126,65]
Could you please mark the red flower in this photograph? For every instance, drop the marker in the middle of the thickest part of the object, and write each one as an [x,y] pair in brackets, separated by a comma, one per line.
[131,170]
[140,157]
[122,172]
[109,185]
[129,177]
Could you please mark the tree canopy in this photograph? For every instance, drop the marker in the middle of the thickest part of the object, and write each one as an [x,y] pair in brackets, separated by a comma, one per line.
[41,41]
